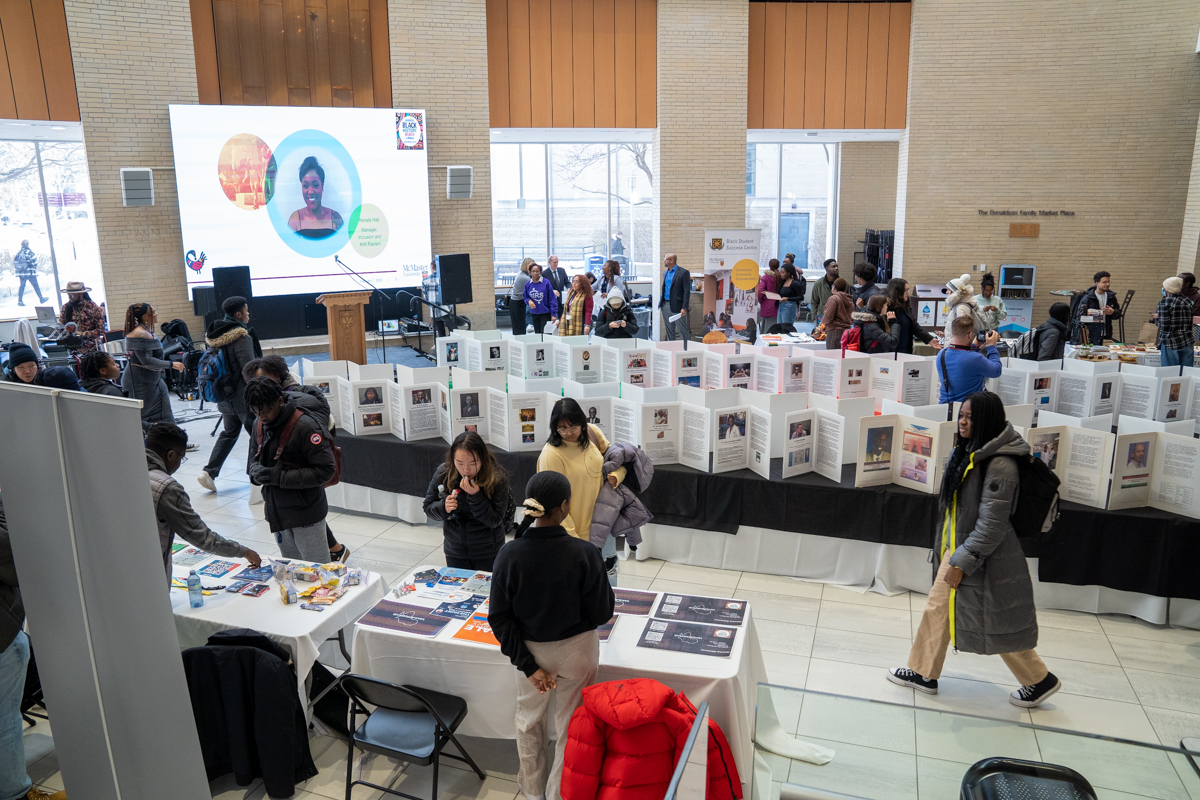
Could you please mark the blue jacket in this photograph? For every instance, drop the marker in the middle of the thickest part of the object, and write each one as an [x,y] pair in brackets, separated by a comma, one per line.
[965,371]
[543,297]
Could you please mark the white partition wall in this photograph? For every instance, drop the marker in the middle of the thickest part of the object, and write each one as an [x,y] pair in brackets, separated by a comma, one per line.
[73,477]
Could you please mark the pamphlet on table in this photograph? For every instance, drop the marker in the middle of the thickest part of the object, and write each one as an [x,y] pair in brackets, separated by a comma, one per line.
[688,637]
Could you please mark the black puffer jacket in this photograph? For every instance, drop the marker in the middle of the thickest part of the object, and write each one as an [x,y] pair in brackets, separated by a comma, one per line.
[906,329]
[873,338]
[12,611]
[600,323]
[294,493]
[233,337]
[476,529]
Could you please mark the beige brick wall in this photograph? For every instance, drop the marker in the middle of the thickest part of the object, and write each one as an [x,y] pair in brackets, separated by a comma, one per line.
[866,197]
[439,63]
[700,142]
[132,59]
[1050,105]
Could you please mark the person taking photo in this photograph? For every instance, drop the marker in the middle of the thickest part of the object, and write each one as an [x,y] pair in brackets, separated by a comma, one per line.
[962,369]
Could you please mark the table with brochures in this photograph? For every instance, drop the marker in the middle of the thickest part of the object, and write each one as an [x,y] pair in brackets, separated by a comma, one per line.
[300,631]
[722,669]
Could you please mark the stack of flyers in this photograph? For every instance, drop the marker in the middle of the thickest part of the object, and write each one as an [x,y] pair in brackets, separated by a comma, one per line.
[605,630]
[461,610]
[443,594]
[480,583]
[404,618]
[218,569]
[426,576]
[477,629]
[694,608]
[455,577]
[190,557]
[633,601]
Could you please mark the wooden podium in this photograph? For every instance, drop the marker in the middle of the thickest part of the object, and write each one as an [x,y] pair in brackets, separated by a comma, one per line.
[347,325]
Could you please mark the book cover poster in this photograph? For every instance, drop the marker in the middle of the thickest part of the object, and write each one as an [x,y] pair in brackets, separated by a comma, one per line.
[392,616]
[688,637]
[476,629]
[693,608]
[634,602]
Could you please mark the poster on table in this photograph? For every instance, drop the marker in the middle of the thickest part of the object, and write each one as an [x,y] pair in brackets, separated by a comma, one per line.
[328,386]
[577,361]
[1080,457]
[468,411]
[1082,394]
[365,407]
[1138,395]
[450,351]
[519,422]
[776,372]
[727,370]
[697,608]
[404,618]
[1159,470]
[530,359]
[660,426]
[695,442]
[799,448]
[414,412]
[834,376]
[731,275]
[627,365]
[906,451]
[1017,386]
[489,355]
[612,416]
[829,430]
[633,602]
[1174,398]
[906,381]
[795,372]
[730,440]
[676,367]
[688,637]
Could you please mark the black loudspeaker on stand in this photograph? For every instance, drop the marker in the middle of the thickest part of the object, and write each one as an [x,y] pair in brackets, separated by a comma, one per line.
[231,282]
[455,273]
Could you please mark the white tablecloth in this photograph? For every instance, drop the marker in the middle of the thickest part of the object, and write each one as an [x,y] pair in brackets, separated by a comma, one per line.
[486,679]
[298,630]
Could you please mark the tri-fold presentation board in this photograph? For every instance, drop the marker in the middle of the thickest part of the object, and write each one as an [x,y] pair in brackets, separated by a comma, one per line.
[676,367]
[627,361]
[813,444]
[905,378]
[1024,382]
[907,451]
[776,372]
[575,358]
[724,369]
[841,377]
[1088,393]
[1160,470]
[364,406]
[530,357]
[1080,457]
[488,355]
[1157,393]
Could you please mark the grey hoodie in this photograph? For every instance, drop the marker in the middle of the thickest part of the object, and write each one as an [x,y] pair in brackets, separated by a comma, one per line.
[993,606]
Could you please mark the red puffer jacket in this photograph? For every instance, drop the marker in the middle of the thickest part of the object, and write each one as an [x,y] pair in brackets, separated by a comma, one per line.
[625,739]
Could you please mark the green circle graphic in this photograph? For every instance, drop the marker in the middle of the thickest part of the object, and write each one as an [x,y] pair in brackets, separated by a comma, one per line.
[368,230]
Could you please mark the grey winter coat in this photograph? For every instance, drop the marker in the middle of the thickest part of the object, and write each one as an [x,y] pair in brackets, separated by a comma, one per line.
[993,606]
[618,511]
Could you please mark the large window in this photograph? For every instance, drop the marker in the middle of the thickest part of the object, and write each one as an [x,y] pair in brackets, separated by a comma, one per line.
[584,202]
[788,197]
[46,202]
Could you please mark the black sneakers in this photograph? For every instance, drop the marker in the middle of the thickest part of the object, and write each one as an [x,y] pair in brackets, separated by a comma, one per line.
[1030,696]
[903,676]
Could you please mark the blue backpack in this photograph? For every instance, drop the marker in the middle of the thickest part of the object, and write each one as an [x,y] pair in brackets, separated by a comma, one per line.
[213,375]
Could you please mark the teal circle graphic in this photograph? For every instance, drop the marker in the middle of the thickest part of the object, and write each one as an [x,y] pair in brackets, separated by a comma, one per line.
[342,190]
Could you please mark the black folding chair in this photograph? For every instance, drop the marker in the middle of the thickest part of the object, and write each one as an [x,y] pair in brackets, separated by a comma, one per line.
[1002,778]
[408,723]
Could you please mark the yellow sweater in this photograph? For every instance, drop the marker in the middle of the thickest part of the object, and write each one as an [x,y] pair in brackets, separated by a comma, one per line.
[585,470]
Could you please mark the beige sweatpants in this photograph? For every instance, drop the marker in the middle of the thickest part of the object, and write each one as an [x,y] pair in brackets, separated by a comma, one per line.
[933,637]
[573,664]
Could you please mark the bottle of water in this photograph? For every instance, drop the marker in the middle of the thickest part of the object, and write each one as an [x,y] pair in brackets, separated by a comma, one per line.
[195,594]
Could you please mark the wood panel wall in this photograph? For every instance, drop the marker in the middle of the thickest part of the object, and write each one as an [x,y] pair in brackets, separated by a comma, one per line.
[572,63]
[37,78]
[292,52]
[828,65]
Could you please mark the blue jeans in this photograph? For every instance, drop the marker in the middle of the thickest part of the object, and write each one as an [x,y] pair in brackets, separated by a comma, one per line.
[787,312]
[608,551]
[14,781]
[1184,356]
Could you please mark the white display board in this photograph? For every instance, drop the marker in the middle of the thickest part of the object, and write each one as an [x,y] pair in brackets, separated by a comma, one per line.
[414,411]
[906,451]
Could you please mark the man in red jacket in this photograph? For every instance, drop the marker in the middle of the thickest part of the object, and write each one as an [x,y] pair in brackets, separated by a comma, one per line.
[624,741]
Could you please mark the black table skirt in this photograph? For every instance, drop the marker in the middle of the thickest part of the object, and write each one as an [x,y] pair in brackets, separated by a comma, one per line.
[1139,550]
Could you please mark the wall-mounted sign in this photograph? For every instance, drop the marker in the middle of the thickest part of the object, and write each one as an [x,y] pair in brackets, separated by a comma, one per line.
[1008,212]
[1023,229]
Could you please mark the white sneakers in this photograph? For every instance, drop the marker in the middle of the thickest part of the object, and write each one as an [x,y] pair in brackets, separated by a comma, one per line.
[205,480]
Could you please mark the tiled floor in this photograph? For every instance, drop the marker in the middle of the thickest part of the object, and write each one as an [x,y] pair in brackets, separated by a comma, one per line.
[1121,677]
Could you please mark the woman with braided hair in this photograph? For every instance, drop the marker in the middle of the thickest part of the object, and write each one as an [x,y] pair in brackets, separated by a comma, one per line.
[143,378]
[550,593]
[982,596]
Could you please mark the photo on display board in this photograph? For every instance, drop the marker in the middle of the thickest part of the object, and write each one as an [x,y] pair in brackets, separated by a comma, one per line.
[444,406]
[527,428]
[469,405]
[1173,393]
[1106,390]
[528,414]
[740,370]
[661,417]
[689,363]
[1041,384]
[372,420]
[586,355]
[800,429]
[637,378]
[797,370]
[1172,413]
[493,352]
[539,354]
[452,351]
[637,362]
[324,387]
[1137,462]
[731,426]
[879,449]
[918,470]
[527,438]
[592,417]
[690,380]
[422,397]
[1045,447]
[470,429]
[917,443]
[370,396]
[798,457]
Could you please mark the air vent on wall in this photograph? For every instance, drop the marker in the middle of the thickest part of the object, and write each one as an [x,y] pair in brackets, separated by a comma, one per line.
[459,182]
[137,186]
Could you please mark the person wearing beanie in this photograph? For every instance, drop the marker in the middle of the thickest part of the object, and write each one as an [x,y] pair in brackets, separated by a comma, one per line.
[59,378]
[961,302]
[1098,309]
[22,364]
[1053,334]
[545,620]
[1174,316]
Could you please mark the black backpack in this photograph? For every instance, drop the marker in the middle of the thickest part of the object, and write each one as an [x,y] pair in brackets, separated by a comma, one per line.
[1036,507]
[1027,345]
